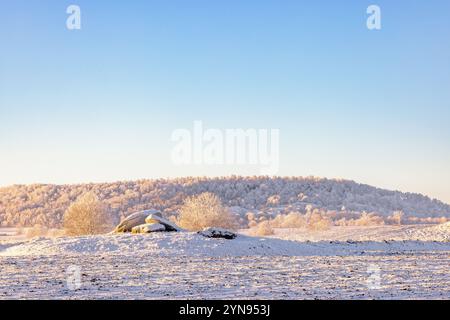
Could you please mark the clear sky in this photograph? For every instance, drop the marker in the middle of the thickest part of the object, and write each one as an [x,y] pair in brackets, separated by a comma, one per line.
[100,103]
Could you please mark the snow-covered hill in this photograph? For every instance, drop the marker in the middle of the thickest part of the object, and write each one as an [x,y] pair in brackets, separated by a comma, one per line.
[45,204]
[192,244]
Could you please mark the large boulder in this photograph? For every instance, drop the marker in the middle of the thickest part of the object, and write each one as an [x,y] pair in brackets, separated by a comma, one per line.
[217,233]
[149,228]
[157,218]
[134,220]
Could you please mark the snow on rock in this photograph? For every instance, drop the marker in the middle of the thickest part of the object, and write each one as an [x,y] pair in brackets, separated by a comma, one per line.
[148,228]
[157,218]
[144,222]
[193,244]
[134,220]
[217,233]
[131,221]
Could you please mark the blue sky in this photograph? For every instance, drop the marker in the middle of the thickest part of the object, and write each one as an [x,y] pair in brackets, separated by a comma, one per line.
[100,103]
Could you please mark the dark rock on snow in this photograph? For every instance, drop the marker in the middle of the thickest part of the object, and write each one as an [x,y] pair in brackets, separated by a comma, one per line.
[217,233]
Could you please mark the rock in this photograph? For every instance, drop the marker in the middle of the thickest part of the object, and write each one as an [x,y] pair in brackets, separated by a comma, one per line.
[136,223]
[134,220]
[217,233]
[157,218]
[156,214]
[149,228]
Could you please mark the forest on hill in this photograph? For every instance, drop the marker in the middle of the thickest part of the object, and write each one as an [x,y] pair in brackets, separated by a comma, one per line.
[43,204]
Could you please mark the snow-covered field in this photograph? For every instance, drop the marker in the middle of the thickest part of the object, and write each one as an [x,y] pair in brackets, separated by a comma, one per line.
[407,262]
[370,233]
[10,234]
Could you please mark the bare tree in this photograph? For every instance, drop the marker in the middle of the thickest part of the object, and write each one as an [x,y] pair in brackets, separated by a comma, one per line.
[397,217]
[263,228]
[85,216]
[205,210]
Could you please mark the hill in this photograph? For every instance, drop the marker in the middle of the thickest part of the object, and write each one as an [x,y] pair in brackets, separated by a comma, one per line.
[26,205]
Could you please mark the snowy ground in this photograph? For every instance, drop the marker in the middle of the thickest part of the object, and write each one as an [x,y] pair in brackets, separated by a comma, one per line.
[371,233]
[10,234]
[185,265]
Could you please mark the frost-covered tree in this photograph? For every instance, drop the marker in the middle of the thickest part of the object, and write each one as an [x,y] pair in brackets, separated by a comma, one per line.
[397,217]
[86,216]
[205,210]
[264,228]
